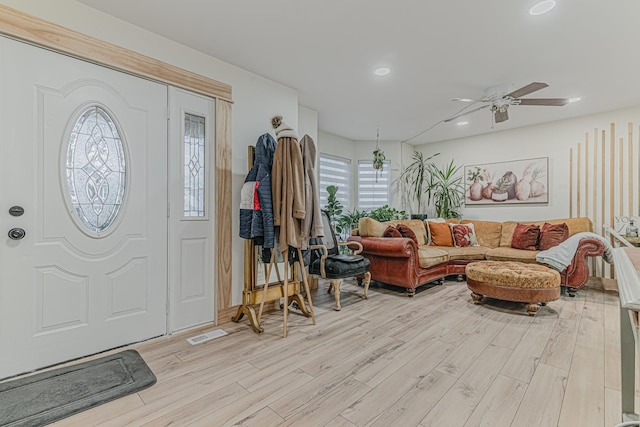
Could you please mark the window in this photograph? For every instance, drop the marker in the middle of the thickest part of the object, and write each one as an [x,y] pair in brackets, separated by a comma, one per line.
[95,170]
[373,191]
[335,171]
[194,165]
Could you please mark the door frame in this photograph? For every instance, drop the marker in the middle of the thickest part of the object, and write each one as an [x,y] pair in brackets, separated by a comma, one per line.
[30,29]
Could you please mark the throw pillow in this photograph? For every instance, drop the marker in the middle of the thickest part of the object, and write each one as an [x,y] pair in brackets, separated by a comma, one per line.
[391,231]
[552,235]
[525,236]
[440,234]
[463,235]
[407,232]
[426,226]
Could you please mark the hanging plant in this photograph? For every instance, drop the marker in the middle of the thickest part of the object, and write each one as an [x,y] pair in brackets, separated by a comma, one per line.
[378,159]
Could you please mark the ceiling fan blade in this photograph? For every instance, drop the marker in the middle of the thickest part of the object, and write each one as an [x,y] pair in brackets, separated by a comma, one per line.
[558,102]
[500,116]
[526,90]
[465,113]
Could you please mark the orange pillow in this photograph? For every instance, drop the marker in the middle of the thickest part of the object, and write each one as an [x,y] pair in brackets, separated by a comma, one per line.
[407,232]
[440,234]
[525,236]
[552,235]
[391,231]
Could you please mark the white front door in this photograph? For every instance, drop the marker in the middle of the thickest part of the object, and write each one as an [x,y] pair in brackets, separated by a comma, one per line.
[191,222]
[83,151]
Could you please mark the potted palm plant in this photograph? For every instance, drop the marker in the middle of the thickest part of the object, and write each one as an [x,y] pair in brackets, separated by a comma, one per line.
[415,178]
[445,189]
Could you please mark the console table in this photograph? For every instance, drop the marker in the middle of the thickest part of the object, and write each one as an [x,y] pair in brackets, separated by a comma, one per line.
[627,268]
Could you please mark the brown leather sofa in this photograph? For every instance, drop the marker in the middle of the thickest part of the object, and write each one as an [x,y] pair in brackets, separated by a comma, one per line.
[402,262]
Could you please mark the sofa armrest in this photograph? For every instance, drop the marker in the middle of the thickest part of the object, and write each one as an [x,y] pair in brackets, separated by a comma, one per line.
[395,247]
[577,273]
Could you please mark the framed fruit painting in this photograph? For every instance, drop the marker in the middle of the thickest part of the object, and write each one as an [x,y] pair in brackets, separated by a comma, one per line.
[512,182]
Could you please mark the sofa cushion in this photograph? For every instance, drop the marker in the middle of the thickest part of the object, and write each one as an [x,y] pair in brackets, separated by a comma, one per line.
[487,232]
[391,231]
[463,235]
[429,256]
[552,235]
[526,236]
[369,227]
[440,234]
[426,226]
[575,225]
[407,232]
[511,254]
[468,252]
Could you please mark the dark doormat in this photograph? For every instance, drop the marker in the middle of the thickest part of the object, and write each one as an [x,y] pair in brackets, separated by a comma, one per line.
[43,398]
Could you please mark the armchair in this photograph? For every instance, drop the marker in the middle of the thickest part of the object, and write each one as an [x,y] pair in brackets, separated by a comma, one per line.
[328,263]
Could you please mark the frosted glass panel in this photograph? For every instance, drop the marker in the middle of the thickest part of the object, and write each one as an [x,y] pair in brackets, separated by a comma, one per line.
[96,170]
[194,166]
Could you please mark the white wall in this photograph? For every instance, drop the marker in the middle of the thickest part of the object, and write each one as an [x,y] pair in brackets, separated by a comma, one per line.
[256,99]
[308,123]
[553,140]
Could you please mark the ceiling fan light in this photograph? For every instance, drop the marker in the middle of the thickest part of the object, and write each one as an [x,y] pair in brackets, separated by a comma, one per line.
[542,7]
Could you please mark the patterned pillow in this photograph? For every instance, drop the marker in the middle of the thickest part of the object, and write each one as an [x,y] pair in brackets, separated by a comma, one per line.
[552,235]
[463,235]
[525,236]
[391,231]
[407,232]
[440,234]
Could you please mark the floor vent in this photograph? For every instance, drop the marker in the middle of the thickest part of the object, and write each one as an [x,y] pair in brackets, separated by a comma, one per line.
[206,337]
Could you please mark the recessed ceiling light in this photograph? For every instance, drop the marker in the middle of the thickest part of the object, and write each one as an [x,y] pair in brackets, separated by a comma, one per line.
[462,99]
[542,7]
[462,123]
[572,100]
[382,71]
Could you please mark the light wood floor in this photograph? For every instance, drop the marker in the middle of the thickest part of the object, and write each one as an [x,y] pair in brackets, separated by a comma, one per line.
[433,360]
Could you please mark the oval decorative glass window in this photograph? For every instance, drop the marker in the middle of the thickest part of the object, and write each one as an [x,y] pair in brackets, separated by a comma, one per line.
[96,170]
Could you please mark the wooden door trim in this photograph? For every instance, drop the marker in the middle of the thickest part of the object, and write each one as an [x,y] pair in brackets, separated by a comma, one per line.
[27,28]
[30,29]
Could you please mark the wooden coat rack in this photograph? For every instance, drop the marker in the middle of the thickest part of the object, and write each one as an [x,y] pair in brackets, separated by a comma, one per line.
[258,294]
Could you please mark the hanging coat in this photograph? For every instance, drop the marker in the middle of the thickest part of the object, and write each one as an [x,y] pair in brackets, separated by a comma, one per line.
[312,224]
[287,185]
[256,210]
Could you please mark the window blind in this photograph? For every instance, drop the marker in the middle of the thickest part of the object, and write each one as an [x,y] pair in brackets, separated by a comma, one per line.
[336,171]
[373,192]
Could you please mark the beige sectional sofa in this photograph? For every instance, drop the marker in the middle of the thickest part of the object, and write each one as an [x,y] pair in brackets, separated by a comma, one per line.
[402,262]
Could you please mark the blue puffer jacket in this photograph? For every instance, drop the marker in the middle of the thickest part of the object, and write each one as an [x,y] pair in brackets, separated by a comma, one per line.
[256,208]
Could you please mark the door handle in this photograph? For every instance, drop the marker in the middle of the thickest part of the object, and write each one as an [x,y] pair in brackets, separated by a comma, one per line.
[16,233]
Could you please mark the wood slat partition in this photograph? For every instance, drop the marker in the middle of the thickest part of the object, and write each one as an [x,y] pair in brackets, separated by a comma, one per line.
[26,28]
[571,191]
[630,168]
[597,190]
[602,194]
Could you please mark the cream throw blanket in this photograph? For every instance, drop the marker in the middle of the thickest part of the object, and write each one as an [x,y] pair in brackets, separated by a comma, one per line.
[559,257]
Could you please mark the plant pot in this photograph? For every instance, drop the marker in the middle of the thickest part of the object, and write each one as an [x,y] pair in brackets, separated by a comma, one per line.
[499,196]
[421,217]
[475,191]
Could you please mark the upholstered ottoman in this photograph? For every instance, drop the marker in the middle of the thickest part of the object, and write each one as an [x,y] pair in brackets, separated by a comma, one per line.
[532,284]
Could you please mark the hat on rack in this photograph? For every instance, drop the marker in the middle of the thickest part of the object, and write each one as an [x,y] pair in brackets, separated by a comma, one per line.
[283,130]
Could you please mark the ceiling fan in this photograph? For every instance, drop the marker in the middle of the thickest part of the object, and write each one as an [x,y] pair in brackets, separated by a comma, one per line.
[500,98]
